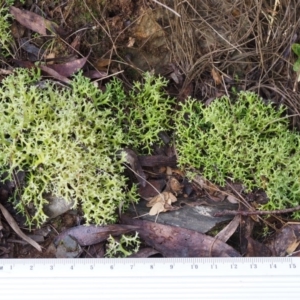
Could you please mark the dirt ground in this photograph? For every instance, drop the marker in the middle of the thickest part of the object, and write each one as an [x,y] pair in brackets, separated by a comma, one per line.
[205,49]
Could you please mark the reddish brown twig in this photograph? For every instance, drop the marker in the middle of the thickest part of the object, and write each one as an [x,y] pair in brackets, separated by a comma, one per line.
[256,212]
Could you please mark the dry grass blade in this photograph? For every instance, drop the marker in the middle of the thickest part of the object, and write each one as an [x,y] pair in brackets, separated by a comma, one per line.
[248,42]
[229,230]
[167,7]
[13,224]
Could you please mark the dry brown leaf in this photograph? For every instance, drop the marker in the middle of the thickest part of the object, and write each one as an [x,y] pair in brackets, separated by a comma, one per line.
[229,230]
[156,209]
[50,56]
[169,198]
[55,74]
[133,160]
[69,68]
[93,234]
[34,22]
[287,240]
[173,241]
[13,224]
[103,62]
[131,42]
[214,192]
[216,76]
[292,247]
[235,12]
[257,249]
[161,203]
[232,199]
[160,198]
[169,171]
[175,185]
[178,172]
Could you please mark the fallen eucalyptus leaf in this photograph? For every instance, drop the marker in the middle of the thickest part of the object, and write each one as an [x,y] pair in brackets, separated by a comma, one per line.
[89,235]
[179,242]
[229,230]
[13,224]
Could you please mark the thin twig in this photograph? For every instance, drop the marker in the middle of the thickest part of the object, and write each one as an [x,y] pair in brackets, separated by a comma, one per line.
[212,28]
[167,7]
[256,212]
[160,194]
[272,18]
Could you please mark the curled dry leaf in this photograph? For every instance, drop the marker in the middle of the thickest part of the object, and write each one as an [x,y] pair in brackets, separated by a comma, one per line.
[13,224]
[157,208]
[229,230]
[216,76]
[102,63]
[175,186]
[169,198]
[131,42]
[158,198]
[214,192]
[161,203]
[169,171]
[153,186]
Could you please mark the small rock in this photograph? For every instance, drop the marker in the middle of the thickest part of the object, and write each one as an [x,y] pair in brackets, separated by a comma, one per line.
[56,206]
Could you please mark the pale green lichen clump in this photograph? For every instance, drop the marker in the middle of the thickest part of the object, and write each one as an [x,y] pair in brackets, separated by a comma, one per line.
[6,39]
[145,112]
[245,141]
[124,246]
[65,140]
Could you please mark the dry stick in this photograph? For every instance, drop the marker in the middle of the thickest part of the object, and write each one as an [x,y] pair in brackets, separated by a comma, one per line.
[212,28]
[113,41]
[260,212]
[127,166]
[167,7]
[13,224]
[272,20]
[249,206]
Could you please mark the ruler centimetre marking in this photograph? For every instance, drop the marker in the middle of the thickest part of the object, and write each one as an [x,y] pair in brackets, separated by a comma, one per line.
[150,278]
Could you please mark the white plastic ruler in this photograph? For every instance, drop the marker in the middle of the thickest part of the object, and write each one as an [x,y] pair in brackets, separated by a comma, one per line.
[150,278]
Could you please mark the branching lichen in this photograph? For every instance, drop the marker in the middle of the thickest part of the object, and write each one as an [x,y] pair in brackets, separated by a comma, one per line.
[246,141]
[145,112]
[65,140]
[124,246]
[6,39]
